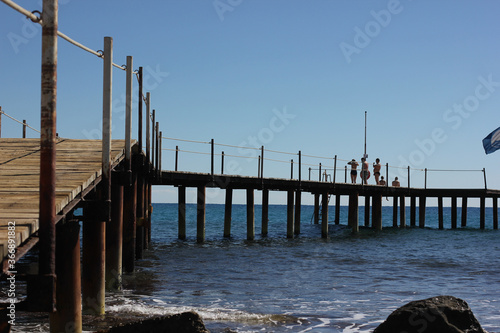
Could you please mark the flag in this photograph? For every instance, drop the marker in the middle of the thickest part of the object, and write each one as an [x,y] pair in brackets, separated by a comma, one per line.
[491,143]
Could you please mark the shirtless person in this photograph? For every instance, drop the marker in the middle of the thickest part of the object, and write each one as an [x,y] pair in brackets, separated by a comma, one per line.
[395,182]
[354,172]
[382,181]
[376,170]
[364,170]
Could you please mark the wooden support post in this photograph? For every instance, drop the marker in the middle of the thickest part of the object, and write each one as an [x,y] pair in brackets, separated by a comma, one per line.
[377,211]
[250,214]
[1,121]
[324,215]
[353,212]
[228,208]
[153,140]
[150,210]
[337,208]
[440,213]
[289,215]
[298,204]
[367,211]
[114,237]
[129,222]
[316,208]
[413,211]
[139,232]
[265,211]
[68,316]
[453,212]
[24,129]
[200,215]
[402,211]
[421,211]
[495,213]
[93,260]
[482,212]
[395,212]
[181,212]
[464,212]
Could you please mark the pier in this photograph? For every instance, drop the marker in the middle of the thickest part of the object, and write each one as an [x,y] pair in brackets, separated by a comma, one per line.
[51,187]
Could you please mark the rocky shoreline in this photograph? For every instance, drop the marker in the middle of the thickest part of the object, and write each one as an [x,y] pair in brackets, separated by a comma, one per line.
[443,314]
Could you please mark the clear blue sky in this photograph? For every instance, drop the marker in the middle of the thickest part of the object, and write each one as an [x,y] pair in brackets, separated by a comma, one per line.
[290,75]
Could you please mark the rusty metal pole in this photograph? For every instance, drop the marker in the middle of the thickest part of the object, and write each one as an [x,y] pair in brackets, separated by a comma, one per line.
[1,121]
[153,136]
[47,212]
[139,118]
[24,128]
[94,229]
[157,147]
[140,225]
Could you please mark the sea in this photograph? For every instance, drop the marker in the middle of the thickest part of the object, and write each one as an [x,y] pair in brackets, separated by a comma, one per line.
[345,283]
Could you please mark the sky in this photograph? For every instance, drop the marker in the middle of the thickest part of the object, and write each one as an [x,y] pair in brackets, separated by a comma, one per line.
[289,75]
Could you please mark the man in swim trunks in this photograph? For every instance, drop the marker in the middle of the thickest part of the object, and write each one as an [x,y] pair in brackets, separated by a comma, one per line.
[354,172]
[376,170]
[364,170]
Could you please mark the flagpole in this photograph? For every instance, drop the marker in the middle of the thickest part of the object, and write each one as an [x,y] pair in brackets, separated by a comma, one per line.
[365,137]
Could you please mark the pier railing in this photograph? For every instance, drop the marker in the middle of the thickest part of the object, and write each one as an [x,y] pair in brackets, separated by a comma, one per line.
[212,156]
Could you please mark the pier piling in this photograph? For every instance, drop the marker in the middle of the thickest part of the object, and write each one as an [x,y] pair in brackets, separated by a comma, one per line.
[367,210]
[395,211]
[316,208]
[402,211]
[440,213]
[250,215]
[227,212]
[298,203]
[181,212]
[200,214]
[464,211]
[453,212]
[353,212]
[377,211]
[289,214]
[324,215]
[421,211]
[265,212]
[114,237]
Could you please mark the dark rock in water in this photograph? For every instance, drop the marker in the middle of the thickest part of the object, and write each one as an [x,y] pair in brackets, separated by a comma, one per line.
[187,322]
[441,314]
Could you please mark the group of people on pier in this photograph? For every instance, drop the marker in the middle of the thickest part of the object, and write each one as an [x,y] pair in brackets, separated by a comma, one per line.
[365,173]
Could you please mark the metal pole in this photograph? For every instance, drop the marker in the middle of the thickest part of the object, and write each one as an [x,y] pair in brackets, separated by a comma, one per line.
[334,168]
[425,179]
[159,155]
[139,120]
[176,157]
[24,129]
[484,173]
[212,157]
[408,176]
[128,114]
[47,211]
[300,166]
[222,164]
[387,174]
[319,177]
[1,121]
[365,136]
[106,122]
[153,136]
[157,147]
[148,136]
[262,162]
[291,169]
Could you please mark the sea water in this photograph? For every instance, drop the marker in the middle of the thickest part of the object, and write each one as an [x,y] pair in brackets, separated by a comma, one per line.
[346,283]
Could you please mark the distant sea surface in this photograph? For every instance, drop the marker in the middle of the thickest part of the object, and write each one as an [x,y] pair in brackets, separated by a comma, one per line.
[346,283]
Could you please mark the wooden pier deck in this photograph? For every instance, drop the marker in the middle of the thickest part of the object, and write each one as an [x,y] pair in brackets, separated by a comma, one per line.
[78,171]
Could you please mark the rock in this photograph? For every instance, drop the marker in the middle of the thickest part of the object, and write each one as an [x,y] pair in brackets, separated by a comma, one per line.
[187,322]
[441,314]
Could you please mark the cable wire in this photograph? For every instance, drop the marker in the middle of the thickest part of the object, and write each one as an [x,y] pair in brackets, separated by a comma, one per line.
[20,122]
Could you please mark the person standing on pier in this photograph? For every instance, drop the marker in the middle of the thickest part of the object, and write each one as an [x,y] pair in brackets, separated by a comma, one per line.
[364,170]
[376,170]
[354,172]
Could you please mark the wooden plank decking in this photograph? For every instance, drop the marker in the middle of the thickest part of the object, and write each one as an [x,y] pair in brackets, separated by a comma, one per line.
[78,165]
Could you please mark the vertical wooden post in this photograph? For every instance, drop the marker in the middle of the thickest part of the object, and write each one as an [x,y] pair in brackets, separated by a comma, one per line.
[181,212]
[367,210]
[298,203]
[421,211]
[464,211]
[114,237]
[200,215]
[319,174]
[324,215]
[482,212]
[377,211]
[139,111]
[395,211]
[47,229]
[353,212]
[68,316]
[413,211]
[176,157]
[153,140]
[24,129]
[250,214]
[440,213]
[139,167]
[157,153]
[262,162]
[212,157]
[316,208]
[129,224]
[289,215]
[222,163]
[265,211]
[402,212]
[337,208]
[228,212]
[1,112]
[495,213]
[453,212]
[334,169]
[291,168]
